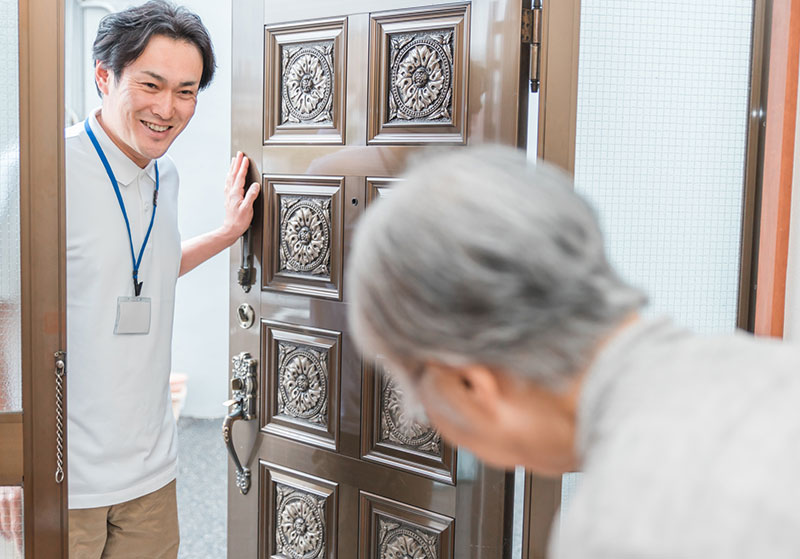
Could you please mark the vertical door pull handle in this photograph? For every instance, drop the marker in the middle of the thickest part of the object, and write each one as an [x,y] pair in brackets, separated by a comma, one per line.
[242,405]
[245,276]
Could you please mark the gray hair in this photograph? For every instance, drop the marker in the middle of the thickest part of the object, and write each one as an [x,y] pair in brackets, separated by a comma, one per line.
[481,257]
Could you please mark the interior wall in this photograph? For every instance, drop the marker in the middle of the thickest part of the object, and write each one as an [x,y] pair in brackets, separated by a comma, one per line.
[202,156]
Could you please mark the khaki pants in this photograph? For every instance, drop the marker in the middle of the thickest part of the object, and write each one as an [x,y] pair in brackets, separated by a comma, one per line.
[144,528]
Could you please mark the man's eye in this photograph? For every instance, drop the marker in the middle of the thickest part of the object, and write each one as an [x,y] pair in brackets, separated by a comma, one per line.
[150,85]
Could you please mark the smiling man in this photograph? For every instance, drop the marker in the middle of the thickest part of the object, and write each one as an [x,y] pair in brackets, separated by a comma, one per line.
[124,255]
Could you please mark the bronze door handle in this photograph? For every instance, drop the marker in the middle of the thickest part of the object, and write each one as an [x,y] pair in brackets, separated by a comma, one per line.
[242,407]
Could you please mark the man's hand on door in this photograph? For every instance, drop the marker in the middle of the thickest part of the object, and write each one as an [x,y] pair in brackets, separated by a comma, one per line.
[238,215]
[238,203]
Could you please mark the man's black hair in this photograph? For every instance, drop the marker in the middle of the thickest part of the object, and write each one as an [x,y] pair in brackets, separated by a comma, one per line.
[123,36]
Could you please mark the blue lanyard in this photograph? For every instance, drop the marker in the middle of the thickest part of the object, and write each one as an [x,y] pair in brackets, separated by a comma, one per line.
[137,285]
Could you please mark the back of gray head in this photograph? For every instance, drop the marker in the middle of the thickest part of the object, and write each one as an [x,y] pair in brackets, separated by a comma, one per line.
[482,257]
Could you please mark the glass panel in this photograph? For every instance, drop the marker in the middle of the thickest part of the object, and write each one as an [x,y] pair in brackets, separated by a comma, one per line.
[660,150]
[10,348]
[11,523]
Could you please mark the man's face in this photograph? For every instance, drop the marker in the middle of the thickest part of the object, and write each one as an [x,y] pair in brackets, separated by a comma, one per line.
[152,101]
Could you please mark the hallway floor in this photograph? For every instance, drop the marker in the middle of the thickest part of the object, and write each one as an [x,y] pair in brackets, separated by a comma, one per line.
[202,503]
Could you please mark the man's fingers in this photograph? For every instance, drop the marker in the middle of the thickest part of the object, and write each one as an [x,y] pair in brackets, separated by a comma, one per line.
[233,172]
[252,194]
[241,175]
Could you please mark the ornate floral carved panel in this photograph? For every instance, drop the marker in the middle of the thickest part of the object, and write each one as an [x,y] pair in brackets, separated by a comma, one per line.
[298,514]
[398,426]
[305,82]
[303,221]
[301,399]
[303,383]
[398,540]
[421,76]
[394,530]
[393,435]
[305,235]
[418,76]
[299,523]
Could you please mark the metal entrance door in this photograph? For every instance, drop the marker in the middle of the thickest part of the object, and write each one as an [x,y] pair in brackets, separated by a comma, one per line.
[330,99]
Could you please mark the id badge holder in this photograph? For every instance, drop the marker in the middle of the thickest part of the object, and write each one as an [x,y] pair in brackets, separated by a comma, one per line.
[133,316]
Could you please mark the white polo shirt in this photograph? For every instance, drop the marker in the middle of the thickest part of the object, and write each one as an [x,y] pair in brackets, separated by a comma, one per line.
[122,436]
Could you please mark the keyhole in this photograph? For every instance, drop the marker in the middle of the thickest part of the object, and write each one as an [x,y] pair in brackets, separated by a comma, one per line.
[354,201]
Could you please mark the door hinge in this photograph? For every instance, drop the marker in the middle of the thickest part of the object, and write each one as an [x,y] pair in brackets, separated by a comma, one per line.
[531,35]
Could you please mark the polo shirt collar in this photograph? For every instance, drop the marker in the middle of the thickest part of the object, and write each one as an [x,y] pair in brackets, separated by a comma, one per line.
[125,170]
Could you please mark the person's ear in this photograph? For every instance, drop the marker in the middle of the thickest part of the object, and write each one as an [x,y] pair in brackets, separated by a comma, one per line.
[473,389]
[102,77]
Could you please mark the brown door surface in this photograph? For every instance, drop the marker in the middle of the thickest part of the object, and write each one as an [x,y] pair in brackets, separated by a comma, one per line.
[330,99]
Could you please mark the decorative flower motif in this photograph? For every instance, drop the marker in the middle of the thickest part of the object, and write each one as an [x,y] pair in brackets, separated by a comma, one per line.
[421,69]
[303,385]
[405,547]
[400,425]
[419,78]
[305,236]
[307,83]
[404,541]
[300,527]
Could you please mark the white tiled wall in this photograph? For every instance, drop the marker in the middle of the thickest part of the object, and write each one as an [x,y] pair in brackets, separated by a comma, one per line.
[662,115]
[10,349]
[660,149]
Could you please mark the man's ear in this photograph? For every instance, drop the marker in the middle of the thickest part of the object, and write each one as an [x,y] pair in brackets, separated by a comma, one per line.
[475,389]
[102,77]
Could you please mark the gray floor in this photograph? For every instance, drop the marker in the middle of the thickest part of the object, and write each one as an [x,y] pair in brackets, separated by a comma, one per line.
[202,503]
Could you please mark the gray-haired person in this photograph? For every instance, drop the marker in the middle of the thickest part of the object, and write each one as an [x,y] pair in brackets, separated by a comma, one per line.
[483,279]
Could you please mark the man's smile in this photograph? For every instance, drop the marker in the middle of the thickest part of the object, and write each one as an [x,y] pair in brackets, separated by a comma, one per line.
[155,127]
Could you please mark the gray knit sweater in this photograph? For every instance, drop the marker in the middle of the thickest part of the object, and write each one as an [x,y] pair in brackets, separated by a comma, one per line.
[690,448]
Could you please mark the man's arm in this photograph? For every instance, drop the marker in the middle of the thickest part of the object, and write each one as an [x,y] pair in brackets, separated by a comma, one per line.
[238,214]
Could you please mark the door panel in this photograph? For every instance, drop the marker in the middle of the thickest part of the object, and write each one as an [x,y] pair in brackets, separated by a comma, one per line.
[305,81]
[304,252]
[392,529]
[391,436]
[330,101]
[418,76]
[301,513]
[300,394]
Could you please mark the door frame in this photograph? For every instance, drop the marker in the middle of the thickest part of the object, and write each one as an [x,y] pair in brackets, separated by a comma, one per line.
[558,96]
[780,48]
[43,273]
